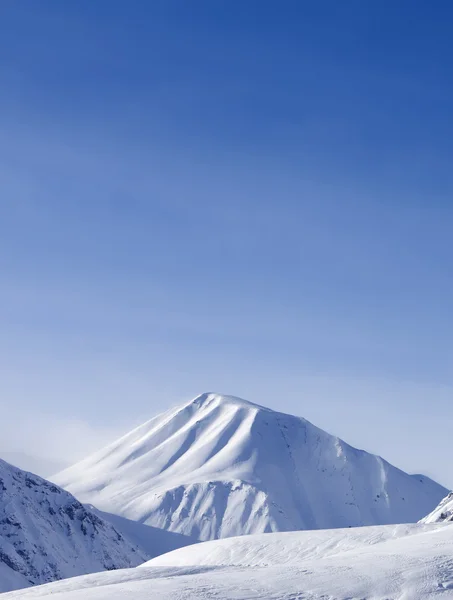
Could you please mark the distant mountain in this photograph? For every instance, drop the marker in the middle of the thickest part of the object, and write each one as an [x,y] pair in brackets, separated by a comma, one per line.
[219,466]
[46,534]
[442,513]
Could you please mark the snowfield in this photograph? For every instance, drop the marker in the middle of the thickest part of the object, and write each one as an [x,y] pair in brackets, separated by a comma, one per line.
[220,466]
[403,562]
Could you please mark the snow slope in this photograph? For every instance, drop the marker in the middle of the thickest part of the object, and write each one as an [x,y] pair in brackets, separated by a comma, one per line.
[219,466]
[46,534]
[443,512]
[404,562]
[151,541]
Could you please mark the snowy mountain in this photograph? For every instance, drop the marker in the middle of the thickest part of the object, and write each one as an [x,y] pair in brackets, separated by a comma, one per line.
[46,534]
[394,562]
[219,466]
[442,513]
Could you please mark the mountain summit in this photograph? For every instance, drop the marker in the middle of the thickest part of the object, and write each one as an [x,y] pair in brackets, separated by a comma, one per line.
[220,466]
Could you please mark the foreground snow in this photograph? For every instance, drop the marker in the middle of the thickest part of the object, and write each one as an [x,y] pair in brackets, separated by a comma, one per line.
[404,562]
[219,466]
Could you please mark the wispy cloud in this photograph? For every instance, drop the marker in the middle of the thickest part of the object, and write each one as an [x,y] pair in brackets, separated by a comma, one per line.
[30,434]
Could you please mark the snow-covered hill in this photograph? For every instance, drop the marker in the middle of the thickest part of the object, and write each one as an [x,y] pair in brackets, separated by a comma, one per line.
[403,562]
[442,513]
[46,534]
[219,466]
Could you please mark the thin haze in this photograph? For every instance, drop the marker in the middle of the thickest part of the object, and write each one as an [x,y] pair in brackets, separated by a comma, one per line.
[253,198]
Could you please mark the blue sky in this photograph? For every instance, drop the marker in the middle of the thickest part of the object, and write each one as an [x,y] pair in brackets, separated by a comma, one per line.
[248,197]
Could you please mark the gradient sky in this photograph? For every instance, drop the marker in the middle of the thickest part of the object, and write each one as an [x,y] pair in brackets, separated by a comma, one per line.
[248,197]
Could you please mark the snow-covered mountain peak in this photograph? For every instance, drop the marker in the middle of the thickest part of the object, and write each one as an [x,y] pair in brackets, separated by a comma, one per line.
[213,399]
[219,466]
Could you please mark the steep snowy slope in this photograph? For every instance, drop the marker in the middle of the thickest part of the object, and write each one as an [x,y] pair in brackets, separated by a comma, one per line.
[405,562]
[442,513]
[46,534]
[220,466]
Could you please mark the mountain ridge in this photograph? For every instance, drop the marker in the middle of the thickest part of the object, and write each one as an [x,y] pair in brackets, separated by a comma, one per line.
[46,534]
[443,513]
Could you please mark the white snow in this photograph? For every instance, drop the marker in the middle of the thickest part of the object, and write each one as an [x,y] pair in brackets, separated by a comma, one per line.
[220,466]
[150,540]
[404,562]
[46,534]
[442,513]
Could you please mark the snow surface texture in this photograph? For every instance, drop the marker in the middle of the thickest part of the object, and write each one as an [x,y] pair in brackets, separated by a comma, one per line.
[46,534]
[219,466]
[443,513]
[403,562]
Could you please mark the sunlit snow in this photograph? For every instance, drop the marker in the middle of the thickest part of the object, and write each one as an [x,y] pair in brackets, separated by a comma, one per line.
[219,466]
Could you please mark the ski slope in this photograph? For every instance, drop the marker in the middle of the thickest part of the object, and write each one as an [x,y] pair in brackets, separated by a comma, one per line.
[403,562]
[220,466]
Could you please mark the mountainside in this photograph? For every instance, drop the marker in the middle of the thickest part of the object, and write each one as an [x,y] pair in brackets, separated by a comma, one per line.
[394,562]
[151,541]
[219,466]
[46,534]
[442,513]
